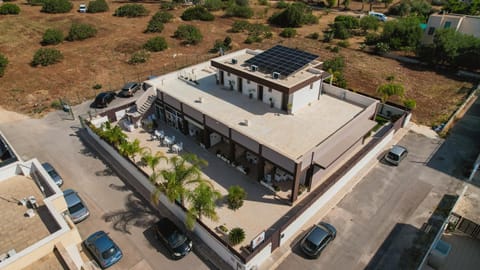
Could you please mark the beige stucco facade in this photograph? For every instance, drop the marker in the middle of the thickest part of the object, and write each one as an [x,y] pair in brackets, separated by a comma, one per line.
[469,25]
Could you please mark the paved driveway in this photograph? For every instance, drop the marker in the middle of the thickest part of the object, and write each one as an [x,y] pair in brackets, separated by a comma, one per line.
[114,208]
[378,219]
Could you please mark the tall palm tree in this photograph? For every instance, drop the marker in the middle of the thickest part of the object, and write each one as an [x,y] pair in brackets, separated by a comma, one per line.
[203,203]
[390,89]
[135,149]
[152,160]
[113,135]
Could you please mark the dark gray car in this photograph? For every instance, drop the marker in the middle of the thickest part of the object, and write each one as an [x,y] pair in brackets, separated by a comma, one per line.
[53,173]
[317,239]
[76,207]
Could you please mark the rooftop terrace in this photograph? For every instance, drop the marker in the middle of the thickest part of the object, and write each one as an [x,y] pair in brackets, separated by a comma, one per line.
[16,230]
[291,135]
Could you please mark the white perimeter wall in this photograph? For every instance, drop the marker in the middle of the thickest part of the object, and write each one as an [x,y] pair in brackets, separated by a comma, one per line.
[304,96]
[325,198]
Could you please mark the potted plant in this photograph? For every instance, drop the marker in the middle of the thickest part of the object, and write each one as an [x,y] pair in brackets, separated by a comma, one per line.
[235,197]
[250,93]
[271,102]
[236,236]
[289,107]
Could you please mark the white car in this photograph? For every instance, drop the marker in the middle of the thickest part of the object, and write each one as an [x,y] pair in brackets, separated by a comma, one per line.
[82,8]
[380,16]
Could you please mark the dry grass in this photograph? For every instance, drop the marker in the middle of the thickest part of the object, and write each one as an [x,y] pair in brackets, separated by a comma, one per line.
[103,59]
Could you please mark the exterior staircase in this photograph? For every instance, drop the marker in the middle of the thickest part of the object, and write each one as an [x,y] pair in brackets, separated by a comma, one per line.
[146,100]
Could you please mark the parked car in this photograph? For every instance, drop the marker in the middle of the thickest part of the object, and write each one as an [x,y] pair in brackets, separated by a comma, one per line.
[82,8]
[103,99]
[317,239]
[129,89]
[396,155]
[76,207]
[53,173]
[103,249]
[379,16]
[173,238]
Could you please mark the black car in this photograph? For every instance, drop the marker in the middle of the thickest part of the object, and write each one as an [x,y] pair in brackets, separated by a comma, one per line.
[129,89]
[103,99]
[173,238]
[317,239]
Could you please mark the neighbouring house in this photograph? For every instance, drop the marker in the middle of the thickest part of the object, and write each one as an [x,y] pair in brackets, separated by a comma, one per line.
[36,234]
[465,24]
[273,116]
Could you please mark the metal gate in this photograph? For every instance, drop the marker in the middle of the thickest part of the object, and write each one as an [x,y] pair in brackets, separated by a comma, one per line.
[469,227]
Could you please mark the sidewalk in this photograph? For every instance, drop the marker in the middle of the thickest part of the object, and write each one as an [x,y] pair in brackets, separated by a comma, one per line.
[277,257]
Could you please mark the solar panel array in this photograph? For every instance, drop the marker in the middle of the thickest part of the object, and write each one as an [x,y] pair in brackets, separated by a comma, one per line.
[281,59]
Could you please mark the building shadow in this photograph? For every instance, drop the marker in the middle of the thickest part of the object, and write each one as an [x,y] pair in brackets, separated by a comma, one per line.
[456,155]
[405,246]
[136,213]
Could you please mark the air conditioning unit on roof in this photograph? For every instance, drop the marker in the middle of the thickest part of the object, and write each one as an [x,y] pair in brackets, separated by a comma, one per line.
[275,75]
[254,67]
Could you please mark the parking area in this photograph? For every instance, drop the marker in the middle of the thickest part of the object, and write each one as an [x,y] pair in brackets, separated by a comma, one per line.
[114,207]
[379,218]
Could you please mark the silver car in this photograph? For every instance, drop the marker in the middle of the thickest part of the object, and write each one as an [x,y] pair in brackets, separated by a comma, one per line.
[396,155]
[76,207]
[53,173]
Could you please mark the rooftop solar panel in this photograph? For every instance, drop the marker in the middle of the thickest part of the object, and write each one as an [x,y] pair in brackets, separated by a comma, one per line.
[281,59]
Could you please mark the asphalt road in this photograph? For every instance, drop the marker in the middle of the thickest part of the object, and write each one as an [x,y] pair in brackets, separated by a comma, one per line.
[114,208]
[376,221]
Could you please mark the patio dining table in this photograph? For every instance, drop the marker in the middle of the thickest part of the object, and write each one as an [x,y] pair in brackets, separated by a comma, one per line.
[159,133]
[168,140]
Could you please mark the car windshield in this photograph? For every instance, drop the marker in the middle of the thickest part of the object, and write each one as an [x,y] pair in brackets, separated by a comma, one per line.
[75,208]
[176,239]
[392,156]
[109,252]
[53,174]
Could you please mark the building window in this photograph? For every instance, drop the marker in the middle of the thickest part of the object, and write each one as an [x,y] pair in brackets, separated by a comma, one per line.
[447,25]
[269,90]
[431,30]
[311,86]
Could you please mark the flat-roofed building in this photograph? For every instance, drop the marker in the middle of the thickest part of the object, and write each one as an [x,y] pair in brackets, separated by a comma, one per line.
[269,113]
[35,233]
[465,24]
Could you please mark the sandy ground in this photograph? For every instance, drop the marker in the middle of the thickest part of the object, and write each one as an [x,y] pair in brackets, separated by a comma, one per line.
[9,116]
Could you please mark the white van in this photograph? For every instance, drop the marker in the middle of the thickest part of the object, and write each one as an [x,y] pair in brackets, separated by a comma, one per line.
[378,15]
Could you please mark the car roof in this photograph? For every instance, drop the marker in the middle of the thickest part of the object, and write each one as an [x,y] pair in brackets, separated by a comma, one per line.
[71,197]
[317,234]
[397,149]
[102,94]
[101,241]
[129,84]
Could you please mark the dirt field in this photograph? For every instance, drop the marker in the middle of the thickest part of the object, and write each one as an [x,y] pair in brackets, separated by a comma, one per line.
[102,59]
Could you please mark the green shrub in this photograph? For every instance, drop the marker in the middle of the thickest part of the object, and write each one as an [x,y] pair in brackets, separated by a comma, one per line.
[3,64]
[52,37]
[235,197]
[314,35]
[239,11]
[131,11]
[154,26]
[335,49]
[9,8]
[236,236]
[213,5]
[340,31]
[349,22]
[81,31]
[369,23]
[139,57]
[343,44]
[46,56]
[382,48]
[335,64]
[56,6]
[242,3]
[372,38]
[97,86]
[225,45]
[189,34]
[282,4]
[263,2]
[295,15]
[197,13]
[163,16]
[168,5]
[97,6]
[156,44]
[410,103]
[327,36]
[288,33]
[239,26]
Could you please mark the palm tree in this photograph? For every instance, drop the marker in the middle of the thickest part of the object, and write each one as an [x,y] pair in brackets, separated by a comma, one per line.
[152,160]
[114,135]
[203,203]
[390,89]
[135,149]
[184,171]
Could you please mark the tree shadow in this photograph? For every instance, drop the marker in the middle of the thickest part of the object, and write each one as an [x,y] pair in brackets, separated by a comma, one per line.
[136,213]
[106,172]
[119,187]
